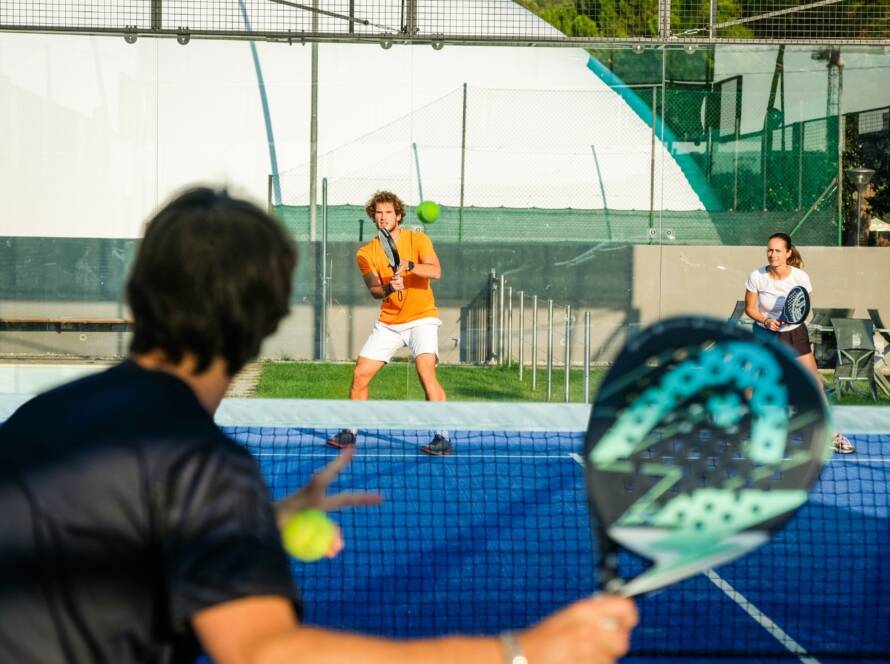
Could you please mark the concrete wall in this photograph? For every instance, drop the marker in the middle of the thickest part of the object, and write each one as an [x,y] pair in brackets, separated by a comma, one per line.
[659,281]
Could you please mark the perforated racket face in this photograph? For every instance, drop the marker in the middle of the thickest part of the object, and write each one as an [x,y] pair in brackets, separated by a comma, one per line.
[702,441]
[797,305]
[389,248]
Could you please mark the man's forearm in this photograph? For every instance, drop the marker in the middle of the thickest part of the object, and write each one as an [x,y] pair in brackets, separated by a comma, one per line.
[321,646]
[427,270]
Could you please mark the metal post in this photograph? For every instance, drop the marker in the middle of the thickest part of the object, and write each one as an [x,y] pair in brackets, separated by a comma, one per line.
[652,160]
[521,332]
[269,188]
[712,20]
[549,349]
[568,355]
[664,19]
[323,327]
[463,167]
[534,342]
[509,326]
[501,341]
[586,357]
[491,317]
[313,137]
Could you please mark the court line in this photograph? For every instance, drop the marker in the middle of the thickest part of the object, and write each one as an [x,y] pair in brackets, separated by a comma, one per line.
[404,455]
[761,618]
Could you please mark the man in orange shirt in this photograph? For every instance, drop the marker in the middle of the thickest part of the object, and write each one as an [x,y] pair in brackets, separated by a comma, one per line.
[408,314]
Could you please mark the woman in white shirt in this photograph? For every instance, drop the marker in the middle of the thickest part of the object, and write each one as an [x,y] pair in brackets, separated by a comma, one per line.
[766,290]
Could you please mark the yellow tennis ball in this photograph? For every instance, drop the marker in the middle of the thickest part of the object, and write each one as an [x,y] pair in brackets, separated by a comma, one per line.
[428,211]
[308,535]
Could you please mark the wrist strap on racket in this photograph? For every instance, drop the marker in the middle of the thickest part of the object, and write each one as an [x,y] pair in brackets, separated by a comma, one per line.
[512,650]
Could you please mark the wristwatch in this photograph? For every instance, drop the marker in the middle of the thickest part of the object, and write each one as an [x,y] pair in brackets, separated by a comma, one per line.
[410,266]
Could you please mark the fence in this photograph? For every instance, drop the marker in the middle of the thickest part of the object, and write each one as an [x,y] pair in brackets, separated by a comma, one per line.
[492,332]
[462,21]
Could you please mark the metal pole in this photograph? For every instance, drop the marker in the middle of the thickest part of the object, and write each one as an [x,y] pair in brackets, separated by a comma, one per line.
[652,159]
[859,189]
[534,342]
[586,357]
[509,326]
[313,134]
[463,166]
[549,349]
[491,318]
[664,19]
[322,342]
[521,332]
[712,20]
[568,355]
[269,188]
[501,317]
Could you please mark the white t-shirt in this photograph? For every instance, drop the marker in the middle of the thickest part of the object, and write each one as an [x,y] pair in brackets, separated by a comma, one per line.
[771,293]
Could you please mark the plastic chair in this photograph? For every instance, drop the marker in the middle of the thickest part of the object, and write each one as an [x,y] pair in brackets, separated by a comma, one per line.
[739,316]
[882,329]
[822,335]
[855,355]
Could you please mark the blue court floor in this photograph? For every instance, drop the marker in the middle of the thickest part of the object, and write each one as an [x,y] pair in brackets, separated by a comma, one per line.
[497,536]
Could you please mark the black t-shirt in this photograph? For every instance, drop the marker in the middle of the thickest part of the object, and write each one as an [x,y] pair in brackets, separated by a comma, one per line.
[124,511]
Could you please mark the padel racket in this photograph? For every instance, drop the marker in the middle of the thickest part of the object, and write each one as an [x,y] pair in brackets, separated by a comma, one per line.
[702,442]
[390,251]
[796,307]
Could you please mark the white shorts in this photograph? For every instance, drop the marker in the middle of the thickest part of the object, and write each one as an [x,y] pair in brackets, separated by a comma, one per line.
[421,336]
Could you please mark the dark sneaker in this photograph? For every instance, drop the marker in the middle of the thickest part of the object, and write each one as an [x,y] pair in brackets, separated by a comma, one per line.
[341,439]
[439,446]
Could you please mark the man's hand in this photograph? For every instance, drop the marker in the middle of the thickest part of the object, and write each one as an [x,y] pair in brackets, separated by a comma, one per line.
[314,493]
[592,630]
[397,283]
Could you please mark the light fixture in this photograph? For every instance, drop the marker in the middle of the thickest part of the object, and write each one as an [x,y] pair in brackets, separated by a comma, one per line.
[386,44]
[638,48]
[690,48]
[438,44]
[130,35]
[183,37]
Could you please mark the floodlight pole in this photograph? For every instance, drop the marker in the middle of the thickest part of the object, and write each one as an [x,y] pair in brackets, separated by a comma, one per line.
[860,177]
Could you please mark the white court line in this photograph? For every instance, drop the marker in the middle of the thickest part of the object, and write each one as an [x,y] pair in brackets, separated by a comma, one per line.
[408,455]
[761,618]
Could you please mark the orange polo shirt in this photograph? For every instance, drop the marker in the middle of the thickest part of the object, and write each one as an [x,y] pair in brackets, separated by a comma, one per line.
[417,298]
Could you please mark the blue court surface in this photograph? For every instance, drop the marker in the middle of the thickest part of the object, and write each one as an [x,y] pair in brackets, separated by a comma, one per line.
[497,536]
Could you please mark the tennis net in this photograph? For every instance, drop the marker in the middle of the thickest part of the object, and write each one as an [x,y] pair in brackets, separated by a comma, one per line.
[497,535]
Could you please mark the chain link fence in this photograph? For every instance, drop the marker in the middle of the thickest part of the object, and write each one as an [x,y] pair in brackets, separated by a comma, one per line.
[652,164]
[462,21]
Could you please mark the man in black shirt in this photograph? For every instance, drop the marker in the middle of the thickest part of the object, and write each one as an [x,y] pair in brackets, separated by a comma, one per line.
[134,530]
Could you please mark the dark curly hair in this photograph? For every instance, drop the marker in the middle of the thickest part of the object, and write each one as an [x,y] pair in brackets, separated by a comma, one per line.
[385,197]
[212,277]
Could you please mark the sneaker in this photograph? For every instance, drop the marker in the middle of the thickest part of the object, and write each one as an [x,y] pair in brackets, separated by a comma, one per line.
[439,446]
[343,438]
[842,444]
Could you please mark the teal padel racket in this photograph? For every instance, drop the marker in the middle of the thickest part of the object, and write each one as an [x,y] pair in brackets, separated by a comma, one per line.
[702,442]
